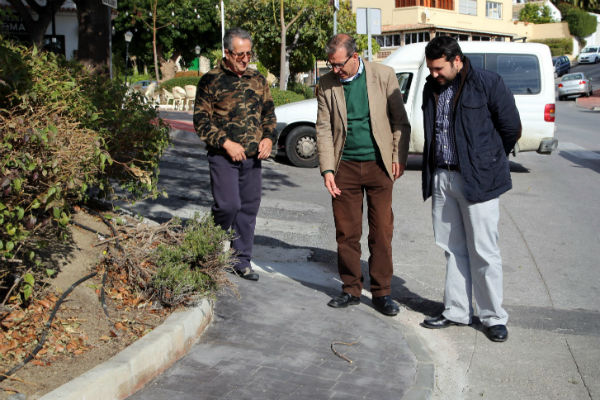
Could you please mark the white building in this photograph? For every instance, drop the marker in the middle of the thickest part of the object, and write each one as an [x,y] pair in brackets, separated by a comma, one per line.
[65,28]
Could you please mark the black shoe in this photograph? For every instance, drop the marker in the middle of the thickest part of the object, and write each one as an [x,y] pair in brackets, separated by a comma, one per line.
[497,333]
[343,300]
[246,273]
[439,322]
[385,305]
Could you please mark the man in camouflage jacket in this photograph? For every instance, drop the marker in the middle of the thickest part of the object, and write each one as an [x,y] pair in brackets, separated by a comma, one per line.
[235,115]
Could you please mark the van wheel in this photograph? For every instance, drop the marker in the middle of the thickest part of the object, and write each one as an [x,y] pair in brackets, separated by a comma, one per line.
[301,147]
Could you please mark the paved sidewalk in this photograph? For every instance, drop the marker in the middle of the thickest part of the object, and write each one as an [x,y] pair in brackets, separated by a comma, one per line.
[274,342]
[591,103]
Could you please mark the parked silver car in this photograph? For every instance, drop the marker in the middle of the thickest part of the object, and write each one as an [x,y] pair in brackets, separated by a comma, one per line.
[574,84]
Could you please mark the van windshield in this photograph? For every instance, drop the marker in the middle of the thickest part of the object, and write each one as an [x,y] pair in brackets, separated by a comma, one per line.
[520,72]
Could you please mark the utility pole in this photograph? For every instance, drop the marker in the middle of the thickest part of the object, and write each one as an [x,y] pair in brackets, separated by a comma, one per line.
[336,7]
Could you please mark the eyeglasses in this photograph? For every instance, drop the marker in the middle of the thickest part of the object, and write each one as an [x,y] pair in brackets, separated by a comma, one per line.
[242,54]
[338,66]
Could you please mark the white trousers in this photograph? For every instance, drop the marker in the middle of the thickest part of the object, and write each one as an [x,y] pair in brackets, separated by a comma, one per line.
[468,233]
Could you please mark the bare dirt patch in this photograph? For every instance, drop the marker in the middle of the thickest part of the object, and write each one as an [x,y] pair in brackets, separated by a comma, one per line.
[82,335]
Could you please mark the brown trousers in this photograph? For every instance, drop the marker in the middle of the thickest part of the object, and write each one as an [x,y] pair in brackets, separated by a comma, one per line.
[355,178]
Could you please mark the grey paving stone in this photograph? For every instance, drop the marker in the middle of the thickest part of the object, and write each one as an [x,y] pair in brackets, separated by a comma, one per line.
[274,342]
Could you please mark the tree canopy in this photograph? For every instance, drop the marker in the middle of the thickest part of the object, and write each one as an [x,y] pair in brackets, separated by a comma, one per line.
[305,38]
[179,27]
[535,13]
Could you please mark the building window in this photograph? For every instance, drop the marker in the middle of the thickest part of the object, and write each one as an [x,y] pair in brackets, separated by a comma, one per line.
[477,38]
[443,4]
[493,10]
[416,37]
[388,40]
[468,7]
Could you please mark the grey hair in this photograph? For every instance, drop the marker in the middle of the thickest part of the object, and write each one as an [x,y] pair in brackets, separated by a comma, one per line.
[235,33]
[341,40]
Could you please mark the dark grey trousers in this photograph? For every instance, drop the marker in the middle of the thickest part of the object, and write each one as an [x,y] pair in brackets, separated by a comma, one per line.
[236,189]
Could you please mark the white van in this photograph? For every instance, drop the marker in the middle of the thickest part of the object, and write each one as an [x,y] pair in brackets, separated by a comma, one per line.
[525,67]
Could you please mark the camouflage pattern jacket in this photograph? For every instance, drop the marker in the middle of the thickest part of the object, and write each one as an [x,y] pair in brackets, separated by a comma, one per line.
[236,108]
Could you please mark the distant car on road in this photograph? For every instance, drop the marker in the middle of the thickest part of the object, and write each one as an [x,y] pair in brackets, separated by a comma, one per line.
[562,65]
[141,86]
[575,84]
[589,54]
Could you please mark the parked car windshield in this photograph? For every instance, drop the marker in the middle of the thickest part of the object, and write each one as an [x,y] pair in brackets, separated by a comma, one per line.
[520,72]
[572,77]
[590,50]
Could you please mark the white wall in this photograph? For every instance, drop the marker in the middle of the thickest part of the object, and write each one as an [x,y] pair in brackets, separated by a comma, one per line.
[66,24]
[594,38]
[554,11]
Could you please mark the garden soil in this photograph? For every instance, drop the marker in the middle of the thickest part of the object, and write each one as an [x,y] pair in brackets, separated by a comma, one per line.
[84,336]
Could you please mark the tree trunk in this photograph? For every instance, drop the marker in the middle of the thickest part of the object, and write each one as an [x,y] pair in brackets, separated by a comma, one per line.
[283,57]
[93,49]
[154,29]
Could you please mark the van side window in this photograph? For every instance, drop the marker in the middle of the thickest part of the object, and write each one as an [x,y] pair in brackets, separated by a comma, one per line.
[520,72]
[404,81]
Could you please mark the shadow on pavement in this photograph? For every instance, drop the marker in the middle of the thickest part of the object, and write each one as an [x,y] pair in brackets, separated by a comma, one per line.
[328,258]
[581,159]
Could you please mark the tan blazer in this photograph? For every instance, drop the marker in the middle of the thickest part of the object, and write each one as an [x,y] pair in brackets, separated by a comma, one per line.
[389,122]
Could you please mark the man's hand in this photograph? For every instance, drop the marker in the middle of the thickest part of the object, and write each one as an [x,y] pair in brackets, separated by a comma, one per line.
[398,170]
[234,150]
[329,180]
[264,148]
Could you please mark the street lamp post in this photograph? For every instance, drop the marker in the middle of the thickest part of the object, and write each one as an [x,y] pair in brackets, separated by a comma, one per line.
[128,37]
[197,49]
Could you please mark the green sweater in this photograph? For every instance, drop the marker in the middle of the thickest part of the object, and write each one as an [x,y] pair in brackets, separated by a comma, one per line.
[360,143]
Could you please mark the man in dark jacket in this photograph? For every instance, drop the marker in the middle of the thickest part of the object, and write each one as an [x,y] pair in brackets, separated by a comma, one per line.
[471,123]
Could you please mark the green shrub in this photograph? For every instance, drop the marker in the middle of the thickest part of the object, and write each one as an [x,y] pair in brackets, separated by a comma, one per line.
[182,81]
[535,13]
[62,132]
[307,92]
[196,266]
[558,47]
[283,97]
[581,23]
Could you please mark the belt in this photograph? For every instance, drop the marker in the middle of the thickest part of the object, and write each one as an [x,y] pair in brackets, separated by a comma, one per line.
[449,167]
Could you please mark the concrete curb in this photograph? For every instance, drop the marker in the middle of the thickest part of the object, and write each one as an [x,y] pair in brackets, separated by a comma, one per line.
[135,366]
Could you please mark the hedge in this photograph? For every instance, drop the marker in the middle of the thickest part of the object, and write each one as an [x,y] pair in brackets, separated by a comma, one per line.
[180,81]
[283,97]
[558,47]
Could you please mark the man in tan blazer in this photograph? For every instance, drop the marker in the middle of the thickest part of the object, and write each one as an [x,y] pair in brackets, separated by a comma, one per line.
[363,135]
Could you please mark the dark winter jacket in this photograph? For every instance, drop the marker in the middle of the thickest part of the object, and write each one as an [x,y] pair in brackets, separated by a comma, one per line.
[486,125]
